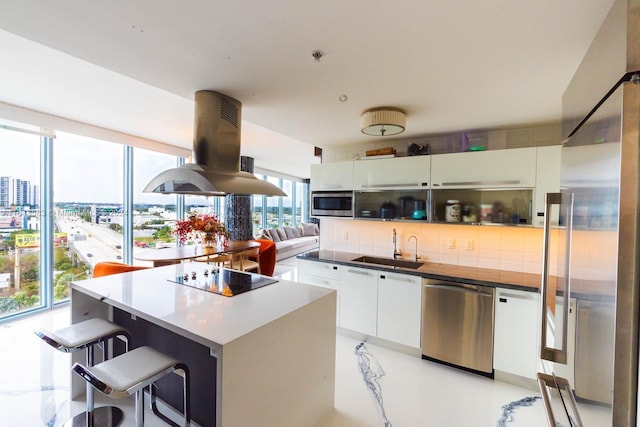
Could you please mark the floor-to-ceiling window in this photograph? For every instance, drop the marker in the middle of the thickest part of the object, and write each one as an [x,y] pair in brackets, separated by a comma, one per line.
[88,201]
[65,203]
[20,285]
[154,215]
[273,212]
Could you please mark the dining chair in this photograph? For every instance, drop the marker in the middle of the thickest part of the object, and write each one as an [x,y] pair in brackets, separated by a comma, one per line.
[266,256]
[106,268]
[242,260]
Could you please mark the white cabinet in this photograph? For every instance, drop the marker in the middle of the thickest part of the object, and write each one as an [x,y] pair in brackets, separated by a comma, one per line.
[399,308]
[359,300]
[516,339]
[399,172]
[512,168]
[332,176]
[321,274]
[547,180]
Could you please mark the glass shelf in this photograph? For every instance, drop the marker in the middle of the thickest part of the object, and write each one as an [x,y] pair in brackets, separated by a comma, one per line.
[392,205]
[496,206]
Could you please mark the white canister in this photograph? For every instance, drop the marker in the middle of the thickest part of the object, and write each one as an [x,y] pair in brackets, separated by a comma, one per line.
[452,213]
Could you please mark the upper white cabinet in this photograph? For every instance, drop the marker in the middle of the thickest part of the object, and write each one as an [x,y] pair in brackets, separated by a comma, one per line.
[399,308]
[399,172]
[512,168]
[332,176]
[547,180]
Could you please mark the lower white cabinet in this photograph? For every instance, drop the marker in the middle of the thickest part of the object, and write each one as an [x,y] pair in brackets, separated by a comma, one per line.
[516,332]
[399,308]
[321,274]
[359,300]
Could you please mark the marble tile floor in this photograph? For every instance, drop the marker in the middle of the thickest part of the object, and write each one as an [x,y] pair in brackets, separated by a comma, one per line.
[34,386]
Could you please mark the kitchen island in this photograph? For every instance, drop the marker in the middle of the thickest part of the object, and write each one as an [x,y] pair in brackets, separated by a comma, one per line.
[262,357]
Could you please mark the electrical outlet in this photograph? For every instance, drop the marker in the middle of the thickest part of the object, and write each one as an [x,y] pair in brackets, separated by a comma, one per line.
[468,245]
[451,244]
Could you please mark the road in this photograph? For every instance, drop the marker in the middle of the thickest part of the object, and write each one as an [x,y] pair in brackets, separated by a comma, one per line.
[101,244]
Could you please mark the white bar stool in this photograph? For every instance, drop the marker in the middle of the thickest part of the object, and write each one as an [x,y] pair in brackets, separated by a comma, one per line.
[131,372]
[81,336]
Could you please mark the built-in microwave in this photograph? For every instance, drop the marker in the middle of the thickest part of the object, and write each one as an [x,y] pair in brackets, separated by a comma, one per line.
[332,203]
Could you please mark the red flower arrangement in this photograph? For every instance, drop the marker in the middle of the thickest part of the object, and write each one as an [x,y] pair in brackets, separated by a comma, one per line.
[200,226]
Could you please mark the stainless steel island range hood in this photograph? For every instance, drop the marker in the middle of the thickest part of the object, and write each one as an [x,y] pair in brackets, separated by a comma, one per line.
[216,151]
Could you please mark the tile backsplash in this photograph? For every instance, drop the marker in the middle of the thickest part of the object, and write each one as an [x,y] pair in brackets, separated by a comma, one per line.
[496,247]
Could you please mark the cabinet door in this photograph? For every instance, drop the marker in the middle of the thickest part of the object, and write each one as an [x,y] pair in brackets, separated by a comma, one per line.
[398,172]
[547,180]
[513,168]
[399,307]
[317,268]
[516,333]
[359,300]
[332,176]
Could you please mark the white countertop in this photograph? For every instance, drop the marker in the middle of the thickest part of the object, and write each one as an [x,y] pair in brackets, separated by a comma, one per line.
[202,316]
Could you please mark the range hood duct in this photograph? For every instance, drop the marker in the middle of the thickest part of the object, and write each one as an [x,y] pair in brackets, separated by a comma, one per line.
[216,151]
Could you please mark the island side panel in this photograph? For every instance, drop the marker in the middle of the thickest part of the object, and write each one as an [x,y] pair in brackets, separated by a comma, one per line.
[282,374]
[201,364]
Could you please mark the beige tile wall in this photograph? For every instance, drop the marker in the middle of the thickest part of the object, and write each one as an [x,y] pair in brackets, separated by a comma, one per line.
[497,247]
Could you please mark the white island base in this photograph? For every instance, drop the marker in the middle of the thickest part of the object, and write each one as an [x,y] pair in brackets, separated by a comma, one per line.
[265,357]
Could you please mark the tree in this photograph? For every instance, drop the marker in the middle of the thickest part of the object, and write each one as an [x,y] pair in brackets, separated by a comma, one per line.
[30,266]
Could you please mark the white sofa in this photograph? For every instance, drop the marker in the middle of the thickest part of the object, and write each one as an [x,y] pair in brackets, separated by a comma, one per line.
[292,241]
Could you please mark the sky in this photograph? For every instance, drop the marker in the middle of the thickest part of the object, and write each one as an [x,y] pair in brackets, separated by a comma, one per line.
[86,170]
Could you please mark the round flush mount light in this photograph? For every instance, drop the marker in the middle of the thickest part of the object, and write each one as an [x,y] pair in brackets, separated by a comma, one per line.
[383,121]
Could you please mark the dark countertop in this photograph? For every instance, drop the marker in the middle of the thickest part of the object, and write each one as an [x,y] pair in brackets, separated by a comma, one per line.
[583,289]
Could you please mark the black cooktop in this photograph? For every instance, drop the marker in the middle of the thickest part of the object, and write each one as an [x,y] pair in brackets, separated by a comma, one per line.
[224,281]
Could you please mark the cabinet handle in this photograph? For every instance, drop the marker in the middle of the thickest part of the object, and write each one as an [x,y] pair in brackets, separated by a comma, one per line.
[510,295]
[397,279]
[408,184]
[363,273]
[503,182]
[502,299]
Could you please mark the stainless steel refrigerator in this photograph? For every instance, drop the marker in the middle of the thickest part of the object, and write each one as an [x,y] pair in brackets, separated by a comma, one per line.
[590,292]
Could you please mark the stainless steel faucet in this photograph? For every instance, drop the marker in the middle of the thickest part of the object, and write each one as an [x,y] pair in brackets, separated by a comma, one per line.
[396,252]
[417,257]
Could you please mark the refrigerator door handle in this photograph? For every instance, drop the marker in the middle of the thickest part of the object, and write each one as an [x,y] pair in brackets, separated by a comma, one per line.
[550,292]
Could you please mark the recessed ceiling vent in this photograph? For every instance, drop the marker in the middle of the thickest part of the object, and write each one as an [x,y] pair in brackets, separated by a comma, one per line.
[216,151]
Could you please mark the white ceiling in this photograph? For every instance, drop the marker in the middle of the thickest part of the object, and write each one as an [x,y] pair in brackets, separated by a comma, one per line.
[134,66]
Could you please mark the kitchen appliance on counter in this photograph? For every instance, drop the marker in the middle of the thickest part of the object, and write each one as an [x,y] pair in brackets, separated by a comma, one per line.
[457,325]
[332,203]
[388,210]
[419,209]
[406,206]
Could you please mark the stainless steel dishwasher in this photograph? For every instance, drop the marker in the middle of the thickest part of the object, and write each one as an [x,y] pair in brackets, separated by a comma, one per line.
[457,325]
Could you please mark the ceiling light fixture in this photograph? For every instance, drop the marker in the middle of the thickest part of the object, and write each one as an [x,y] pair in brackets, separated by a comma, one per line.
[383,121]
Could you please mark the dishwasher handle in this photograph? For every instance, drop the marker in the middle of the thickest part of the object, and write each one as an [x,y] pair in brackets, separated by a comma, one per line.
[470,289]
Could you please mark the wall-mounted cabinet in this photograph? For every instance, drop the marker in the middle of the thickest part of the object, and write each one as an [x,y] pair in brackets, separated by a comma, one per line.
[489,187]
[514,168]
[332,176]
[507,206]
[392,204]
[394,173]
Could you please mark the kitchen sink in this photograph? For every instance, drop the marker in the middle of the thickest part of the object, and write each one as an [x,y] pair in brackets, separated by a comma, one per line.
[388,261]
